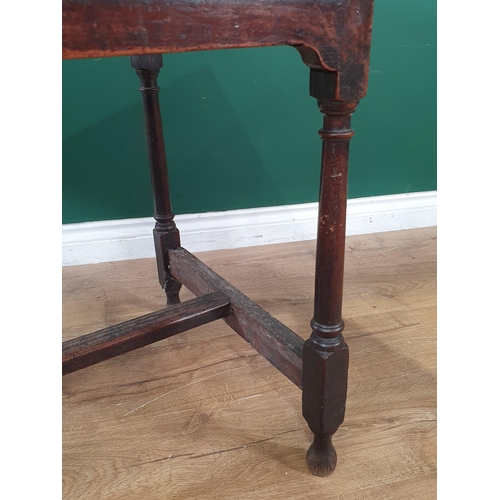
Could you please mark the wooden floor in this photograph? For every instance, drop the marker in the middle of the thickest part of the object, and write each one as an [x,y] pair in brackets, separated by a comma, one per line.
[202,415]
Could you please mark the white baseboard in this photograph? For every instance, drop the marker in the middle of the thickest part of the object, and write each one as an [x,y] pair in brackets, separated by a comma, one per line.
[107,241]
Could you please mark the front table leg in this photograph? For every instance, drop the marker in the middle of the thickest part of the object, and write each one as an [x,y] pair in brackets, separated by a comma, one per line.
[325,355]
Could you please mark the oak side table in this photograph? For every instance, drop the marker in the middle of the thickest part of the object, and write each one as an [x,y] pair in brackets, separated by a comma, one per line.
[333,38]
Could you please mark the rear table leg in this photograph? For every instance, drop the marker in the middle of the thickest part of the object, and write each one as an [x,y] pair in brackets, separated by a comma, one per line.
[165,233]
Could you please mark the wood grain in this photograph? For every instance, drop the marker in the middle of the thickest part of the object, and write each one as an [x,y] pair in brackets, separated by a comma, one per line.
[161,423]
[116,340]
[269,337]
[330,35]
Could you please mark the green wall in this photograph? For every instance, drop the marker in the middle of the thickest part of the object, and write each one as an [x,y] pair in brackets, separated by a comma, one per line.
[241,129]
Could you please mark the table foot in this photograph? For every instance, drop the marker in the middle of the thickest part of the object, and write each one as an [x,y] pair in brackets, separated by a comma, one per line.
[321,457]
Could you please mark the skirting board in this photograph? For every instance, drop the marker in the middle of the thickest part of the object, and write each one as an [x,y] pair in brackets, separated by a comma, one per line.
[107,241]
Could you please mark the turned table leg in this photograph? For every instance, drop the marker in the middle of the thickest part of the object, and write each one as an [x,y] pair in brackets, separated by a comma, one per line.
[165,233]
[325,354]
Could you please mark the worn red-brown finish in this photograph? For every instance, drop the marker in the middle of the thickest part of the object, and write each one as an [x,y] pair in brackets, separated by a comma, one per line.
[165,233]
[330,35]
[333,38]
[326,356]
[268,336]
[108,343]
